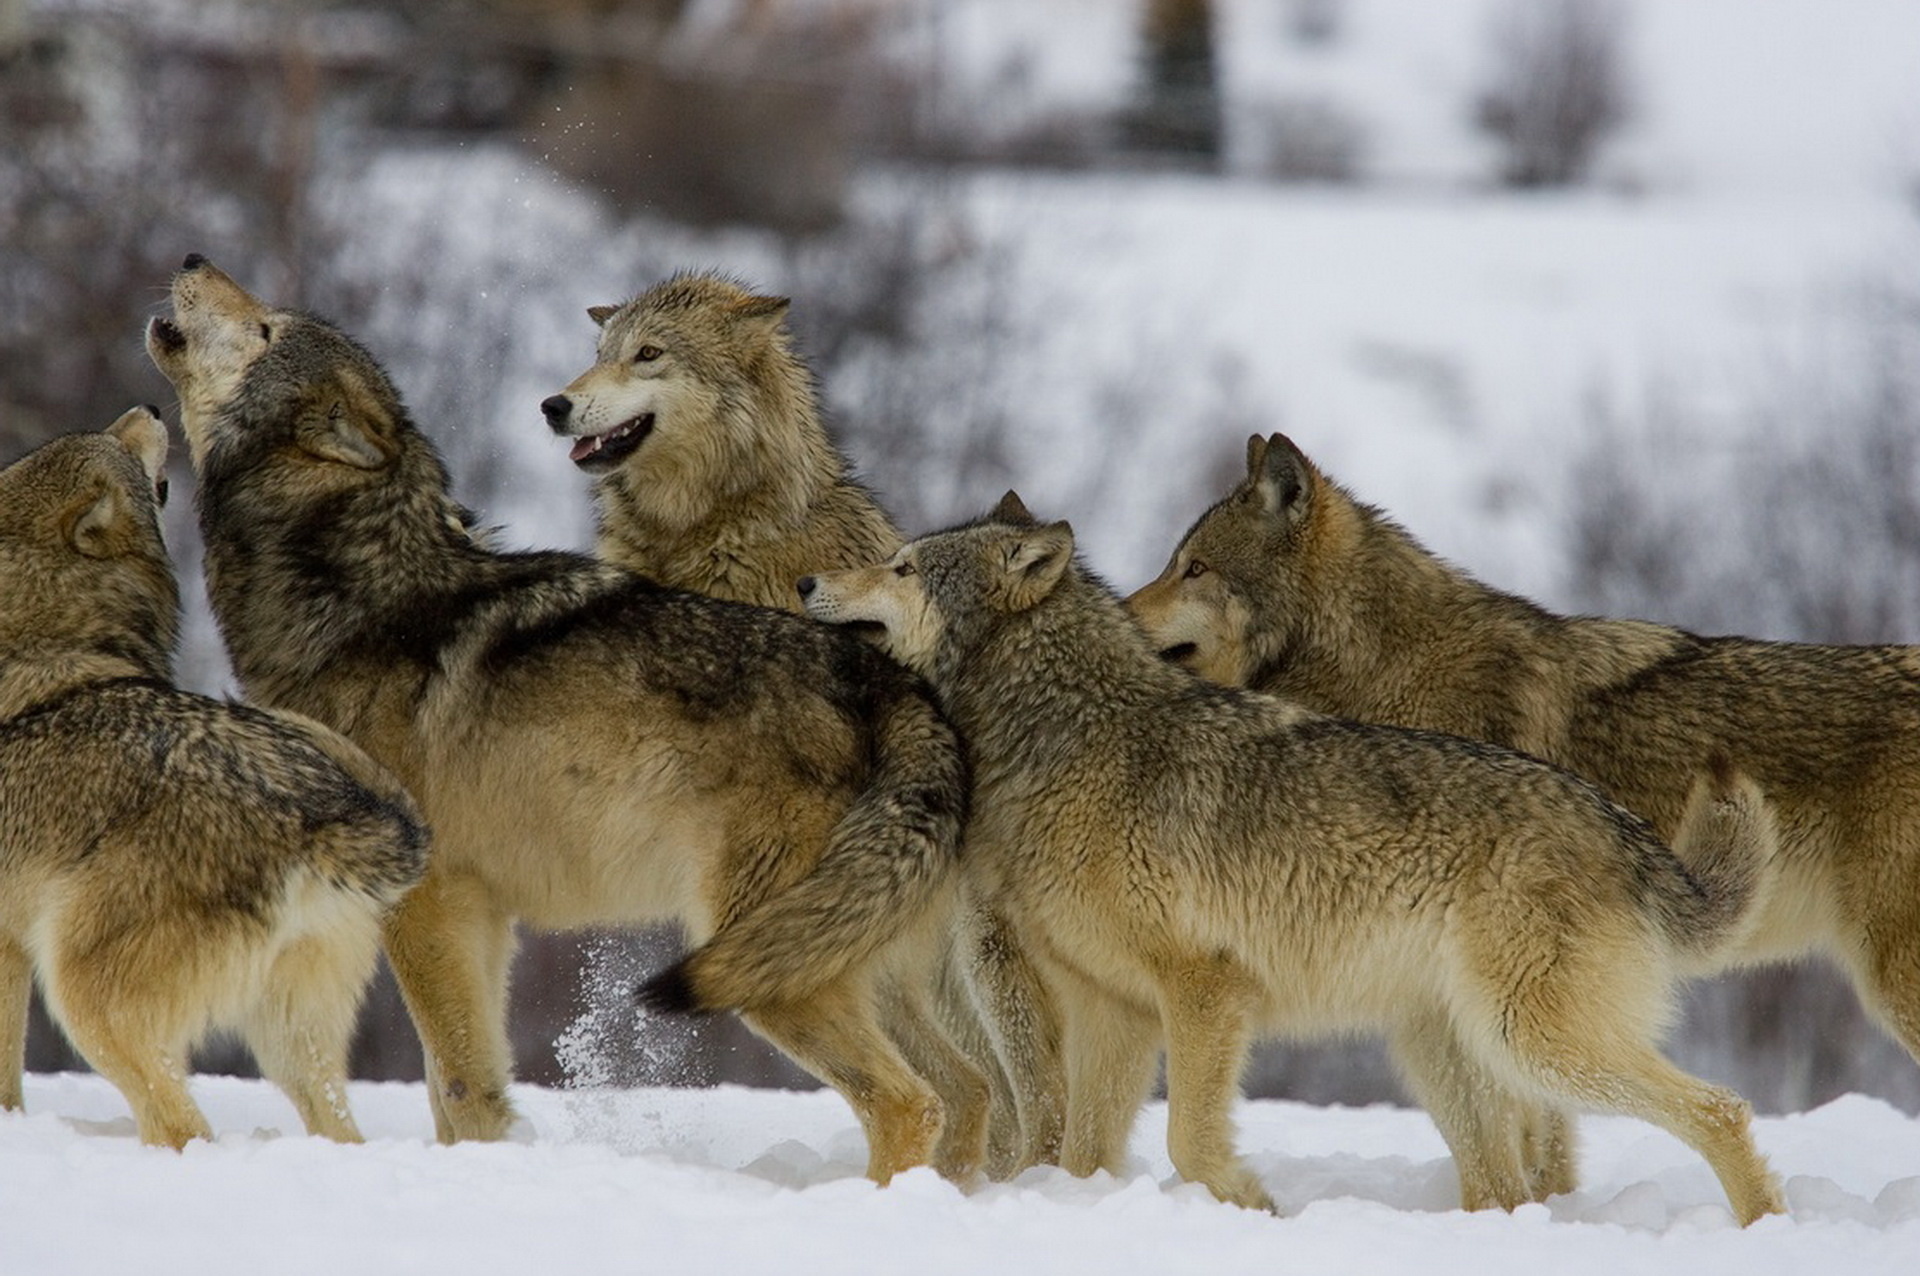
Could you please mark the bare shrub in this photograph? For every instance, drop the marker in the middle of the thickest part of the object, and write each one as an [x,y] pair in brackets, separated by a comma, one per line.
[1177,111]
[1315,22]
[758,119]
[1557,90]
[1307,139]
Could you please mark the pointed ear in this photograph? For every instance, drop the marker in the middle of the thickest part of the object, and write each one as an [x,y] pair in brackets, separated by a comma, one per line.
[1036,559]
[600,314]
[1284,478]
[1256,455]
[141,433]
[1013,511]
[764,313]
[341,435]
[95,525]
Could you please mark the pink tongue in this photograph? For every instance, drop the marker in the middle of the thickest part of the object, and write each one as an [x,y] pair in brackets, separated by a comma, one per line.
[583,448]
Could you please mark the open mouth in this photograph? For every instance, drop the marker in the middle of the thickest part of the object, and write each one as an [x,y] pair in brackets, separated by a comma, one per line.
[166,335]
[604,451]
[1179,652]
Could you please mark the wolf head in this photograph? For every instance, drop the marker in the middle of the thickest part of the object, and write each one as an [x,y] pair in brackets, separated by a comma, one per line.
[1233,594]
[941,596]
[82,562]
[254,379]
[676,388]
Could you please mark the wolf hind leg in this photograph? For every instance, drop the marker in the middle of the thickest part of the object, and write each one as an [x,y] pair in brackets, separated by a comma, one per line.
[835,1034]
[1483,1121]
[16,996]
[1560,1043]
[451,948]
[1112,1048]
[959,1016]
[133,1033]
[1550,1150]
[301,1027]
[964,1095]
[1883,954]
[1020,1016]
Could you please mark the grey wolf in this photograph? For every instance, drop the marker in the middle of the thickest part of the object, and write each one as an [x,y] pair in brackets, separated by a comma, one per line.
[1291,585]
[168,863]
[590,746]
[1202,862]
[715,472]
[717,475]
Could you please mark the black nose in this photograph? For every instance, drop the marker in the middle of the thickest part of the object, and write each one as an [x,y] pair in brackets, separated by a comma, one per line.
[806,585]
[556,407]
[193,260]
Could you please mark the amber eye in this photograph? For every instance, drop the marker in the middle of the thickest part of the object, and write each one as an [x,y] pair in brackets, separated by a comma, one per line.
[647,354]
[906,569]
[1196,569]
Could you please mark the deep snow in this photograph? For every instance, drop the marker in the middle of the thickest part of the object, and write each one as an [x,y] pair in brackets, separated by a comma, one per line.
[731,1180]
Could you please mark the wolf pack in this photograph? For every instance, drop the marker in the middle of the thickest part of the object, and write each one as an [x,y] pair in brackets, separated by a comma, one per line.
[968,836]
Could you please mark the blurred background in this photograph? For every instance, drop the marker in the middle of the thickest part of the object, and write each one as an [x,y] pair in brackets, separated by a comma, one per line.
[1615,303]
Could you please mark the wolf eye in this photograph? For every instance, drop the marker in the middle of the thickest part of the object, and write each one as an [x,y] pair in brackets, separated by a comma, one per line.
[266,333]
[647,354]
[1196,569]
[906,569]
[160,492]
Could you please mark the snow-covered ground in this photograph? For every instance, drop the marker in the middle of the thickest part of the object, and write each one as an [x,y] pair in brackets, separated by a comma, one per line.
[735,1180]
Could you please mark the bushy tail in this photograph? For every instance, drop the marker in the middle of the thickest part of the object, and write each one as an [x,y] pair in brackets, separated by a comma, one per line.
[370,836]
[890,856]
[1727,839]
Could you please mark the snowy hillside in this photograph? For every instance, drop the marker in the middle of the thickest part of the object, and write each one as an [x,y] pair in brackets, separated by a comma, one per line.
[735,1180]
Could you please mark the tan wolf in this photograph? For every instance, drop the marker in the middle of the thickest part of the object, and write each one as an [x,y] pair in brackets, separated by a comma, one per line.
[717,475]
[1204,862]
[168,863]
[1291,585]
[590,747]
[715,472]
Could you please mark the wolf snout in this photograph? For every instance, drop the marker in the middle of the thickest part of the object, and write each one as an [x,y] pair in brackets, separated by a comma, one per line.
[193,261]
[557,408]
[806,585]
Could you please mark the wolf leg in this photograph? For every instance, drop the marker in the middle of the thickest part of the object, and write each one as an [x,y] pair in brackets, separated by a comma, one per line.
[1482,1120]
[16,995]
[1205,1006]
[835,1035]
[1559,1039]
[450,947]
[135,1037]
[1549,1150]
[1885,953]
[960,1018]
[964,1096]
[1112,1049]
[1020,1015]
[301,1029]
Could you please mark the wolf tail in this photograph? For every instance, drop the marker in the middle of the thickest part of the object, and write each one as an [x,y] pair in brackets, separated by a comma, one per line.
[369,835]
[889,858]
[1727,840]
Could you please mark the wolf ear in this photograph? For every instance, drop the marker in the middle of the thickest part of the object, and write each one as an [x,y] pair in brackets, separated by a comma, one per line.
[95,525]
[600,314]
[340,435]
[141,433]
[1036,559]
[1013,511]
[1283,476]
[765,313]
